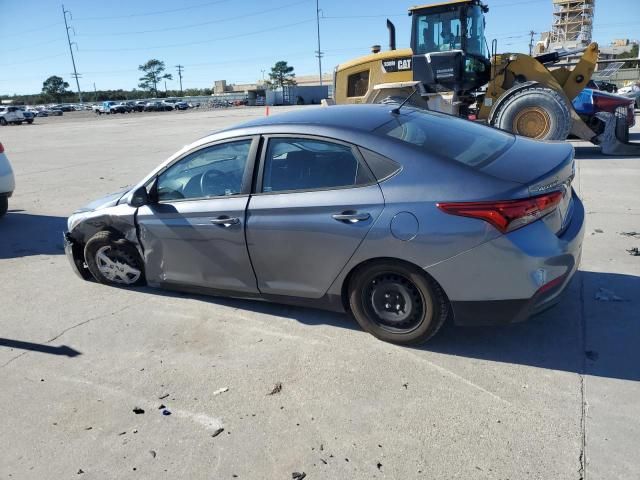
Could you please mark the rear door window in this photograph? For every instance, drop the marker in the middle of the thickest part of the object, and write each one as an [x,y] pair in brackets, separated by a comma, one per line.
[461,140]
[295,164]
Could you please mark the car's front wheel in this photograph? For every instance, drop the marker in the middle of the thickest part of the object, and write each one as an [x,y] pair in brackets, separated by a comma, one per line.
[397,302]
[113,261]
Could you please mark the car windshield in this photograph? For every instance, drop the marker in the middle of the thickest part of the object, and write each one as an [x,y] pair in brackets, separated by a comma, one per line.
[461,140]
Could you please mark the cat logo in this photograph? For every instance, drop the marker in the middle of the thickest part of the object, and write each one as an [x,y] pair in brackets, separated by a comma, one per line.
[397,65]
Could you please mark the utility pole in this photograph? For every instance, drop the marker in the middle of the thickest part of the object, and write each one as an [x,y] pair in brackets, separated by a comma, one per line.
[180,67]
[75,71]
[95,92]
[532,33]
[319,52]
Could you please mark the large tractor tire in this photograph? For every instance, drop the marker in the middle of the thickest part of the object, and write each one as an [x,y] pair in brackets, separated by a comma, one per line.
[536,112]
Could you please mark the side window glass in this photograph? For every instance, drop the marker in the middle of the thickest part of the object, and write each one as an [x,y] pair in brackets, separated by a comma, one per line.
[210,172]
[358,84]
[304,164]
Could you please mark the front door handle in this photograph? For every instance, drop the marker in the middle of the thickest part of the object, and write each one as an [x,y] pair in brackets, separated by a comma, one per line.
[225,221]
[351,217]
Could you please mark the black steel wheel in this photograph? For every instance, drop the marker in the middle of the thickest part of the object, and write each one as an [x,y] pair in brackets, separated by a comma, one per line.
[397,302]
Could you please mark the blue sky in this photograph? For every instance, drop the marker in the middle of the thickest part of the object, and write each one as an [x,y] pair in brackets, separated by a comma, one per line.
[233,40]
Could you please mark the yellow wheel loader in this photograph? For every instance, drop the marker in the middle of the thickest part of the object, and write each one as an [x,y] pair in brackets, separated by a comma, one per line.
[449,69]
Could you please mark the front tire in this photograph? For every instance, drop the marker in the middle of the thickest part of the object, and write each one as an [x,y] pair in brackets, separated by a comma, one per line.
[3,121]
[113,261]
[397,303]
[535,112]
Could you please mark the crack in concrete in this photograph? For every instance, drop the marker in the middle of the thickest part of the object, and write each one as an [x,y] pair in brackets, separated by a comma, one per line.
[582,470]
[68,329]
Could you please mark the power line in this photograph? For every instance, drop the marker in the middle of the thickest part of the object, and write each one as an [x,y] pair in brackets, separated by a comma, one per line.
[159,12]
[194,25]
[73,61]
[22,32]
[202,41]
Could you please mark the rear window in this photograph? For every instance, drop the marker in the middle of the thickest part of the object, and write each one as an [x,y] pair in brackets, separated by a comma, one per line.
[467,142]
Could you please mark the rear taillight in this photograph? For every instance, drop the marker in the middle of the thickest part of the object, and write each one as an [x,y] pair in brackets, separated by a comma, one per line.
[1,148]
[506,215]
[609,104]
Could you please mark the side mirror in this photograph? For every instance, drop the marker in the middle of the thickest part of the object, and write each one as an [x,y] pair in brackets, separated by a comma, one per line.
[139,197]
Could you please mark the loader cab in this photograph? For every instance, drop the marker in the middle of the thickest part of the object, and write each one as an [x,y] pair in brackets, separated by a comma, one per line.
[449,48]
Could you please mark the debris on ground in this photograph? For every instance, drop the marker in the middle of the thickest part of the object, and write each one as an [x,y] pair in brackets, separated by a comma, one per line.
[217,432]
[298,475]
[591,355]
[323,461]
[604,295]
[138,410]
[277,388]
[634,252]
[163,396]
[162,405]
[220,390]
[88,428]
[153,453]
[379,465]
[80,471]
[630,234]
[166,412]
[135,430]
[406,386]
[598,230]
[122,433]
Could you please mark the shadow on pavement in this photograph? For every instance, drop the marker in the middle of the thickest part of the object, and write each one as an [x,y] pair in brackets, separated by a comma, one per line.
[39,347]
[581,334]
[23,235]
[594,153]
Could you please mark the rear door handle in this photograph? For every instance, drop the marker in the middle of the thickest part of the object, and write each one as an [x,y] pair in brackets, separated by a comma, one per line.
[351,217]
[225,221]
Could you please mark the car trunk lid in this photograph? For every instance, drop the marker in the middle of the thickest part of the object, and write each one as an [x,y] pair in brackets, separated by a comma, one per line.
[543,167]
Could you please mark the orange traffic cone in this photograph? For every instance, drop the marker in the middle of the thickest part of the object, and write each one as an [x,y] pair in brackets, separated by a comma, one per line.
[266,113]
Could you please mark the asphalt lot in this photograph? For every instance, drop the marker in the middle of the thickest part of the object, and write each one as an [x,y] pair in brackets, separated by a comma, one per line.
[554,398]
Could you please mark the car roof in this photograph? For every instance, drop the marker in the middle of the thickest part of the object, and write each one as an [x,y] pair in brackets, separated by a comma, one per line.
[350,117]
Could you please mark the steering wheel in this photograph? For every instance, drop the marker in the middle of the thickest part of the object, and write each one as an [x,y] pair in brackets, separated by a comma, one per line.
[223,181]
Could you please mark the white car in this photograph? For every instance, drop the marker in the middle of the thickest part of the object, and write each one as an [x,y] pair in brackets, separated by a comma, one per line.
[10,114]
[7,182]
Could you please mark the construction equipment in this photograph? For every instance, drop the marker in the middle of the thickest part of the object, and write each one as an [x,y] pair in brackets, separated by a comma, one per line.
[450,66]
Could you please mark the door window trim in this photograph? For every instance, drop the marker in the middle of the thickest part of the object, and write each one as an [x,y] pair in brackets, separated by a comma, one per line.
[247,177]
[264,147]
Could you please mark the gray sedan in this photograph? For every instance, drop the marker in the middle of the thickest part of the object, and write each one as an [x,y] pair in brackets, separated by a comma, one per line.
[403,218]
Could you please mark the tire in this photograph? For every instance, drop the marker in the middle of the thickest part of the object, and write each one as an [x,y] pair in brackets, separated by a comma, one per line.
[30,121]
[535,112]
[425,306]
[113,260]
[4,206]
[3,121]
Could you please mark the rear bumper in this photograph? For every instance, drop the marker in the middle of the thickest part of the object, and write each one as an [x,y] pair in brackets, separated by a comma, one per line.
[515,276]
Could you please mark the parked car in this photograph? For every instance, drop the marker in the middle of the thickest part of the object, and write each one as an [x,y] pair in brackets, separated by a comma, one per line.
[632,91]
[28,115]
[7,182]
[181,105]
[157,107]
[54,112]
[602,85]
[590,101]
[110,106]
[139,106]
[11,114]
[400,218]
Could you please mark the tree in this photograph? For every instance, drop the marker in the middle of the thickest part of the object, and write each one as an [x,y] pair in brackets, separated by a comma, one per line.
[633,53]
[153,70]
[281,76]
[55,87]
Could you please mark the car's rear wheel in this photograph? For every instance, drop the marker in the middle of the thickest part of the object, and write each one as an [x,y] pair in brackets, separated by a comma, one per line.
[4,206]
[113,261]
[30,121]
[397,302]
[3,121]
